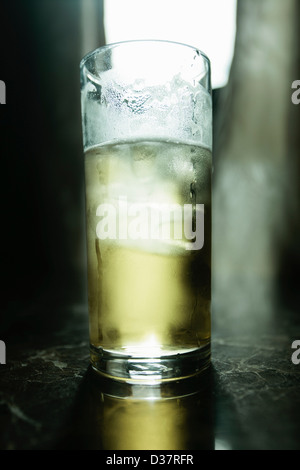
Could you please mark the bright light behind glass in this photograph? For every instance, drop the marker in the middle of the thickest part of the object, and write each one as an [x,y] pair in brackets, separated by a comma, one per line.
[209,25]
[150,347]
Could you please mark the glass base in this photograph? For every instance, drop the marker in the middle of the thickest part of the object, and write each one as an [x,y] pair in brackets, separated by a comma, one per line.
[152,370]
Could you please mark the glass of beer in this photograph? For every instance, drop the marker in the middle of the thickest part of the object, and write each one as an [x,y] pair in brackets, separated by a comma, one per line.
[147,138]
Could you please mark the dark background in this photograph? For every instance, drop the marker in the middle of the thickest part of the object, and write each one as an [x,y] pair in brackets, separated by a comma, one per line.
[42,192]
[256,211]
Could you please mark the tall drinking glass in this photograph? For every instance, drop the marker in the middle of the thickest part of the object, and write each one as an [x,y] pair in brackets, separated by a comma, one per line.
[147,137]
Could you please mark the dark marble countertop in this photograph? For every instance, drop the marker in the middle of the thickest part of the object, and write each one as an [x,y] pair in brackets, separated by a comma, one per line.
[50,399]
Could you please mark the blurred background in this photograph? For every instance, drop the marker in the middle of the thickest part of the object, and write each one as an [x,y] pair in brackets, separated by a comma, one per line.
[254,49]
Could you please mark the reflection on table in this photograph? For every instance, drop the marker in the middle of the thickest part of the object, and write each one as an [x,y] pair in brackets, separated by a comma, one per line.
[174,416]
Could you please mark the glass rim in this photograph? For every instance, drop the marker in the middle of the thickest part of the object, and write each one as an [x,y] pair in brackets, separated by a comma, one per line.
[109,46]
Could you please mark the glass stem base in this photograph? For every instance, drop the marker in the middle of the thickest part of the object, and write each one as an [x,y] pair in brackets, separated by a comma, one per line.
[150,370]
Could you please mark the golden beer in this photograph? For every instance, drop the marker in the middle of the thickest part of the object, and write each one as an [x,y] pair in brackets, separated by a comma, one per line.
[149,294]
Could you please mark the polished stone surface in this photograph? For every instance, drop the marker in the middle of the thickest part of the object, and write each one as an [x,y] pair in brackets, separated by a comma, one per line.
[50,399]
